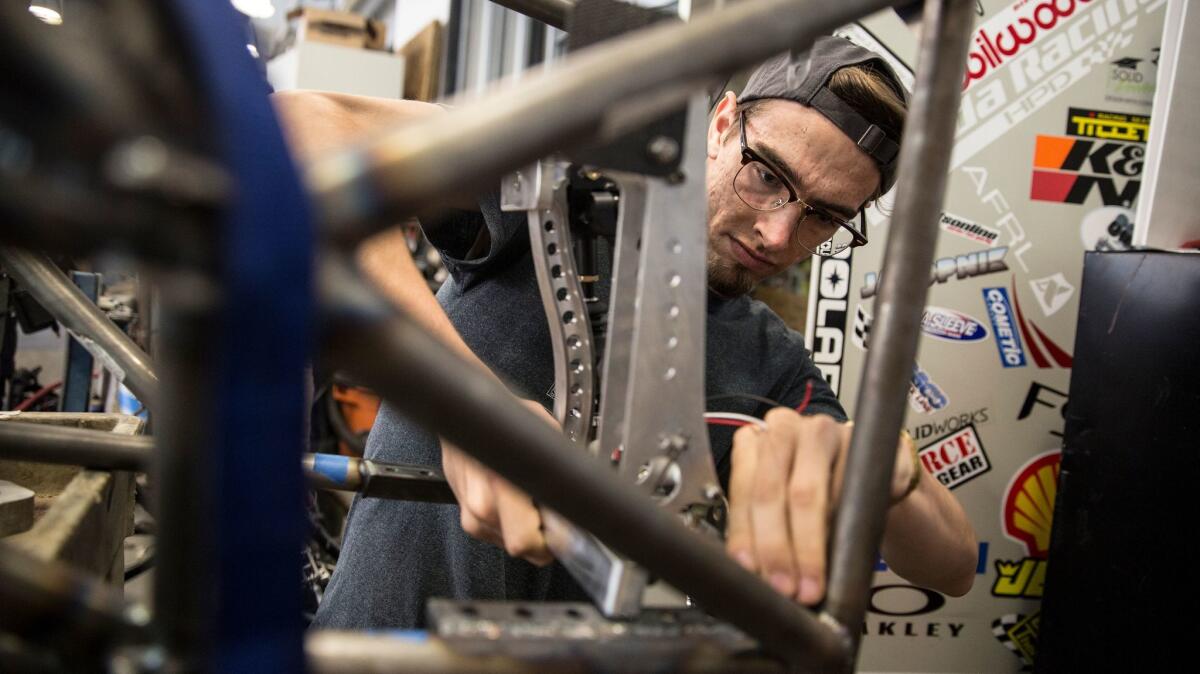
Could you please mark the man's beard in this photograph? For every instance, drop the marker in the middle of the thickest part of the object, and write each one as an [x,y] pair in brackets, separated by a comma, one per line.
[726,277]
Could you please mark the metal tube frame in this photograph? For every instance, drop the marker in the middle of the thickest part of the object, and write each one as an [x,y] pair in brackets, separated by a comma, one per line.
[912,237]
[360,190]
[67,303]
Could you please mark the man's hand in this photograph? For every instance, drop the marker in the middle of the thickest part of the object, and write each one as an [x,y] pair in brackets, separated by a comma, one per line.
[785,481]
[492,509]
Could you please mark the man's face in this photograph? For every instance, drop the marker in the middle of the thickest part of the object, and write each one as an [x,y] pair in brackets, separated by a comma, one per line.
[827,169]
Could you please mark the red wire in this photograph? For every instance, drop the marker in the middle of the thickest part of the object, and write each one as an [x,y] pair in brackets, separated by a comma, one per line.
[807,396]
[727,422]
[41,393]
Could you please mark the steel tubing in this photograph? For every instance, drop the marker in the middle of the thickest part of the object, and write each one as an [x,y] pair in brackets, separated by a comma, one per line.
[424,380]
[924,162]
[44,443]
[73,309]
[550,12]
[596,95]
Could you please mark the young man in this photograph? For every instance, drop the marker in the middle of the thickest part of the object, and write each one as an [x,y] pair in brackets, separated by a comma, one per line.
[790,163]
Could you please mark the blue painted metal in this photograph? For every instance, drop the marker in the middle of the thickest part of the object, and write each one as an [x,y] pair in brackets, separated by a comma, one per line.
[333,466]
[77,374]
[266,239]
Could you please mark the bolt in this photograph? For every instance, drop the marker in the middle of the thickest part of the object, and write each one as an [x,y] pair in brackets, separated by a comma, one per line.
[663,150]
[712,492]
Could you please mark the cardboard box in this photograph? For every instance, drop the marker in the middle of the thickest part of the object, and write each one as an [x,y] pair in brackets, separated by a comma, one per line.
[344,29]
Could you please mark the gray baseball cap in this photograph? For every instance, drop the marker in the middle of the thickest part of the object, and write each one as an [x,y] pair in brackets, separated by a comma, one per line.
[803,78]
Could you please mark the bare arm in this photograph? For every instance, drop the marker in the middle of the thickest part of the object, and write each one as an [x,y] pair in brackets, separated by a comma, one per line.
[319,122]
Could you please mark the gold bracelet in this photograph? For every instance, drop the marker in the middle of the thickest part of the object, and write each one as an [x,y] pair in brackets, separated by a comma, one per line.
[915,480]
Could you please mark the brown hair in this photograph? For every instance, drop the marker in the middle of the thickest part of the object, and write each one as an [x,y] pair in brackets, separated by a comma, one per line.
[872,96]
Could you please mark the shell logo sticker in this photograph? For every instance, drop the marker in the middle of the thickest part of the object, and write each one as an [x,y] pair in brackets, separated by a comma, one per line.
[1027,516]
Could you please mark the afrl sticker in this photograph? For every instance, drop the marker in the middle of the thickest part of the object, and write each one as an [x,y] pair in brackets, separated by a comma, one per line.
[956,459]
[1008,342]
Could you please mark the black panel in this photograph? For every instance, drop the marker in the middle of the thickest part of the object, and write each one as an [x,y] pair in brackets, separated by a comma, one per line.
[1121,588]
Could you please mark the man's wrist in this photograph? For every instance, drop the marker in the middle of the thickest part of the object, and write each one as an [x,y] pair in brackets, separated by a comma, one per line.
[915,480]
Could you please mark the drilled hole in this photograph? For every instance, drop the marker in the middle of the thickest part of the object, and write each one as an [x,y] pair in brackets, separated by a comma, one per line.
[568,317]
[549,226]
[562,294]
[469,610]
[556,271]
[523,612]
[573,342]
[551,248]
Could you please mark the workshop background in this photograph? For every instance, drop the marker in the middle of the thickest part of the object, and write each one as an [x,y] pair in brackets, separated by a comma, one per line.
[1052,138]
[1048,161]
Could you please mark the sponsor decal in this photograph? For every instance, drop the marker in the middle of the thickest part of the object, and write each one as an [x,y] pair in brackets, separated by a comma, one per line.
[951,325]
[1051,292]
[949,424]
[1008,341]
[1130,80]
[1029,329]
[1046,396]
[1026,518]
[1006,220]
[1069,170]
[1108,125]
[1018,65]
[861,334]
[965,266]
[955,459]
[967,229]
[907,601]
[924,395]
[1107,228]
[1018,633]
[827,316]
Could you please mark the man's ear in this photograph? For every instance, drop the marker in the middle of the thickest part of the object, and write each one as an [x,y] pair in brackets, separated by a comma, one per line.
[724,117]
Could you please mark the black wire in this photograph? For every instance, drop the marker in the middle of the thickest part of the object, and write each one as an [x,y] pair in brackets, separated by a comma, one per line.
[747,396]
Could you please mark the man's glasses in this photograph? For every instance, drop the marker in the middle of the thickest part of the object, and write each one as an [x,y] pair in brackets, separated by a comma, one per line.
[762,188]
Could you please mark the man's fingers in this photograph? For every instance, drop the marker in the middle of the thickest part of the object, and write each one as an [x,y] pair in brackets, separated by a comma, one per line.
[820,440]
[520,524]
[739,533]
[769,506]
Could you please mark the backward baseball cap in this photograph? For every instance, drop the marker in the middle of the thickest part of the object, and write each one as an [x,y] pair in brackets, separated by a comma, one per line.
[804,77]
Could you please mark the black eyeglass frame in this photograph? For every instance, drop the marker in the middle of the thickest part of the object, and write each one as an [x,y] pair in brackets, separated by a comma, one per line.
[749,155]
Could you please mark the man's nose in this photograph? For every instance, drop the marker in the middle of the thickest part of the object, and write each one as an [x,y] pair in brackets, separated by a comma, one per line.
[775,228]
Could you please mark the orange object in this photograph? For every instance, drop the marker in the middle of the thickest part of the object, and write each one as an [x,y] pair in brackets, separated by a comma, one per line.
[1051,151]
[358,406]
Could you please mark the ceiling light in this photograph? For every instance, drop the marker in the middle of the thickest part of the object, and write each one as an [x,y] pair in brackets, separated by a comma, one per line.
[48,11]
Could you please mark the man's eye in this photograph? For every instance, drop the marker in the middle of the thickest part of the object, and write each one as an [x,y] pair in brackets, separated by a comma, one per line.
[821,218]
[768,178]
